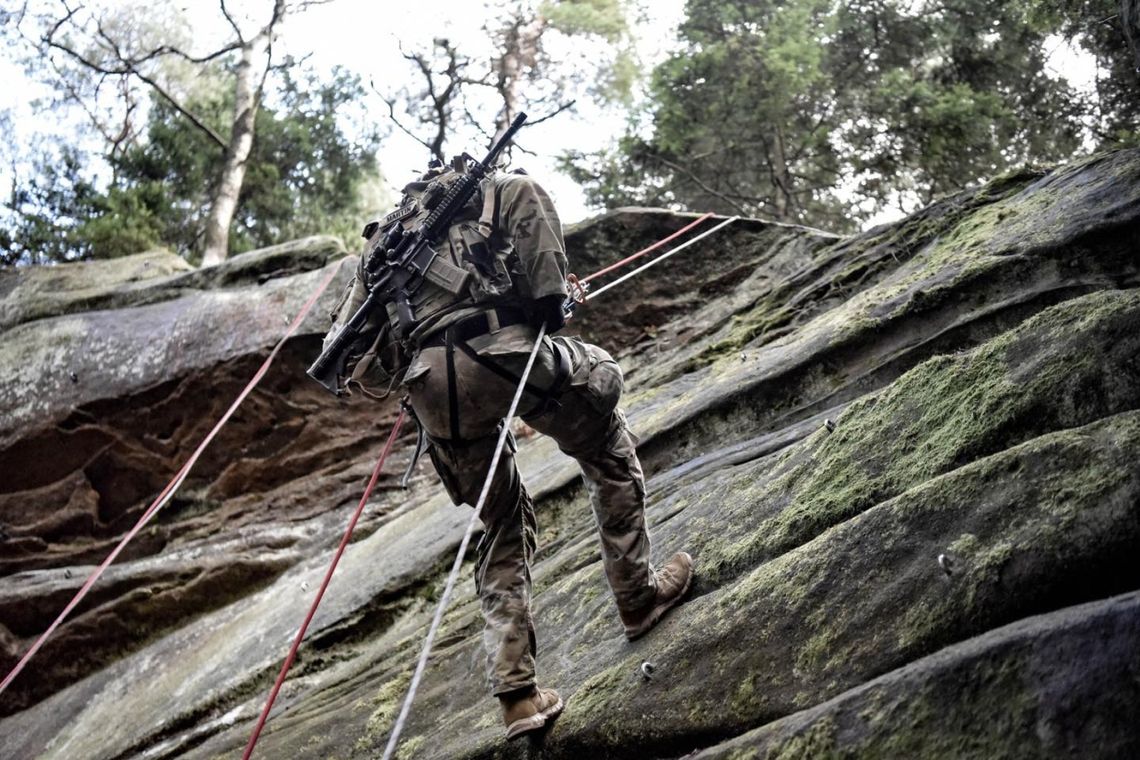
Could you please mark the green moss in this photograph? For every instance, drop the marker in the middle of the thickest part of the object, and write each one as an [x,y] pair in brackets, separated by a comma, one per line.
[817,743]
[409,748]
[743,754]
[386,706]
[593,699]
[748,695]
[959,227]
[940,415]
[985,712]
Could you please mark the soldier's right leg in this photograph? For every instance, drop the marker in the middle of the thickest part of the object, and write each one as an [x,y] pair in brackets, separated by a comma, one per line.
[502,566]
[588,426]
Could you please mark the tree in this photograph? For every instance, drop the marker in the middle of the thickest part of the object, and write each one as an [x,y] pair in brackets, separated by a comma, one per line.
[45,214]
[113,48]
[464,91]
[304,175]
[821,113]
[1108,31]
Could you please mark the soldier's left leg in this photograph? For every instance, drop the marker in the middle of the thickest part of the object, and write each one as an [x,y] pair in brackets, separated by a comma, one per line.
[461,404]
[588,426]
[503,556]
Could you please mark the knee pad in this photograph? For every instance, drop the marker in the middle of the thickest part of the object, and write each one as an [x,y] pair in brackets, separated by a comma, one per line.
[594,375]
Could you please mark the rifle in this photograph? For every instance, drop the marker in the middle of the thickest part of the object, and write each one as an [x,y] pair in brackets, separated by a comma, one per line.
[407,258]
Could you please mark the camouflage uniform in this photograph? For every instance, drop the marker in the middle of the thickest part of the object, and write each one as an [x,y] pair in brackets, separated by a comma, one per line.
[468,353]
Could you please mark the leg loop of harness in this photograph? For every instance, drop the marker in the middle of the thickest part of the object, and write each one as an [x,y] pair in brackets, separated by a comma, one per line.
[548,398]
[452,391]
[421,441]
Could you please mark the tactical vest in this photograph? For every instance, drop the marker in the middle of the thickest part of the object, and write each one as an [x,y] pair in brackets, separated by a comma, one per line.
[478,264]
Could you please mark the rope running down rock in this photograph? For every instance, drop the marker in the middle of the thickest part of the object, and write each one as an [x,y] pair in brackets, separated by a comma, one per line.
[164,497]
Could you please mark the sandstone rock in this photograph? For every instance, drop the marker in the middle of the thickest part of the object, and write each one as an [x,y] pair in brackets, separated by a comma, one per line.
[1056,685]
[940,546]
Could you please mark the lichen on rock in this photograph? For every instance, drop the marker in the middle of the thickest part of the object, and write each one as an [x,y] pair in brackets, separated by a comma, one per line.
[905,461]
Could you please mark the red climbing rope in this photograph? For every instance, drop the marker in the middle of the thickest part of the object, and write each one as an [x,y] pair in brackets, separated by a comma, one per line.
[650,249]
[173,485]
[321,591]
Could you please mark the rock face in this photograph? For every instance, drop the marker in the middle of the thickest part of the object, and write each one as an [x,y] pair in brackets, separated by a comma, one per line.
[907,464]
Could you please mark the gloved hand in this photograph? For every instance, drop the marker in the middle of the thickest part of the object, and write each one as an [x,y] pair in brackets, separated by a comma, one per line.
[548,310]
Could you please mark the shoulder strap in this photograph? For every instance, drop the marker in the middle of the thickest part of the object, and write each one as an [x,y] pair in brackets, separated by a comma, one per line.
[488,220]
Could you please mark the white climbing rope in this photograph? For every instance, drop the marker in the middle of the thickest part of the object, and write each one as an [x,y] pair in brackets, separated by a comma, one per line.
[659,259]
[451,579]
[394,739]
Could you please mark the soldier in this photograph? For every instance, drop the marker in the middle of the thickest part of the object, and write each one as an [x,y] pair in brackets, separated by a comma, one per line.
[461,365]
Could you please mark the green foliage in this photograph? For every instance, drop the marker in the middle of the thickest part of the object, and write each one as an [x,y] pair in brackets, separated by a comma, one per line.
[824,114]
[305,176]
[302,178]
[43,218]
[605,18]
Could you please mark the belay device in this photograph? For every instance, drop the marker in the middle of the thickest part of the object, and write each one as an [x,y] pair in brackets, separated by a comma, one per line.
[405,258]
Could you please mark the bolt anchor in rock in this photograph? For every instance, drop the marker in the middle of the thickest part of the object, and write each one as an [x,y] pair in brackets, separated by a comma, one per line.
[647,670]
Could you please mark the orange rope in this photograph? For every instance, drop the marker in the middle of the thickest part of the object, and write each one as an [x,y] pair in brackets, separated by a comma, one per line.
[643,251]
[324,585]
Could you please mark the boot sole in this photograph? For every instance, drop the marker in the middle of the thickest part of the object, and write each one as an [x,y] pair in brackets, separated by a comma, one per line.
[534,722]
[632,634]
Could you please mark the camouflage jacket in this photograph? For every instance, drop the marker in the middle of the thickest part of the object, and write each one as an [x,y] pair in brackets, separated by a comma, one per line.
[509,239]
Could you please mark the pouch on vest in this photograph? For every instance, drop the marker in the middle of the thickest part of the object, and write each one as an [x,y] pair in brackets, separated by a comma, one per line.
[490,278]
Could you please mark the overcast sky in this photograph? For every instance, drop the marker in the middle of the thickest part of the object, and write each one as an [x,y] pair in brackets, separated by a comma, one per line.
[364,36]
[345,33]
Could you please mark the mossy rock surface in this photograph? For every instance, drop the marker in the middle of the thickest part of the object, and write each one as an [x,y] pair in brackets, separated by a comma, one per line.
[1062,684]
[938,553]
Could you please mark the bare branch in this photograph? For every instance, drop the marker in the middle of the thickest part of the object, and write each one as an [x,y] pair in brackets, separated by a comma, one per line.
[564,107]
[76,97]
[193,119]
[230,19]
[699,183]
[515,146]
[165,50]
[126,68]
[391,103]
[475,123]
[442,98]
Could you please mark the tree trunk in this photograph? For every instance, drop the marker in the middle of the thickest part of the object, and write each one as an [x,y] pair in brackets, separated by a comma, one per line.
[520,51]
[1130,22]
[247,94]
[781,178]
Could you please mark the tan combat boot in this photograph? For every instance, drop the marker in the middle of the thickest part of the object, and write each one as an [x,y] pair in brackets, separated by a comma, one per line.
[529,711]
[672,584]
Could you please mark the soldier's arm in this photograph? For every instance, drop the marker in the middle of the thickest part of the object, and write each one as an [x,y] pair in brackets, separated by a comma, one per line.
[529,221]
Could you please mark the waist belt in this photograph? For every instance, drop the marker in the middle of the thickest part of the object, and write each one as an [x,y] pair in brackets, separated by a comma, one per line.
[455,337]
[474,326]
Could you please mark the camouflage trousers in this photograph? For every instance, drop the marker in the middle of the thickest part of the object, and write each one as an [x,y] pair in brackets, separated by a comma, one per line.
[460,392]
